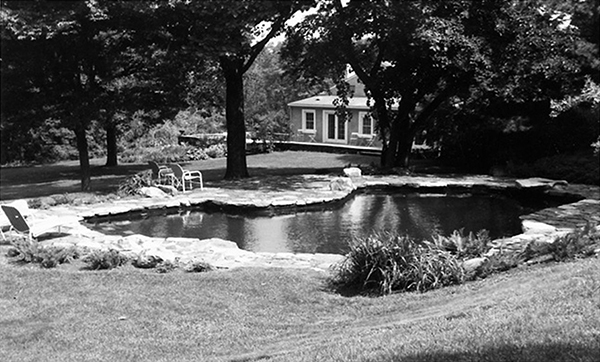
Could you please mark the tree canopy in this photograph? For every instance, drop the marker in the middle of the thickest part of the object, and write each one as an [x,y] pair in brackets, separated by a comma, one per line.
[416,57]
[232,34]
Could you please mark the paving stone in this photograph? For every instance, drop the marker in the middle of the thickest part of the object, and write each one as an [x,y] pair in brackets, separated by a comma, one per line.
[306,190]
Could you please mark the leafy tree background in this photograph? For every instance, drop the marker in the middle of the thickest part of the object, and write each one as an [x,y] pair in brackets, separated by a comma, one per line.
[493,84]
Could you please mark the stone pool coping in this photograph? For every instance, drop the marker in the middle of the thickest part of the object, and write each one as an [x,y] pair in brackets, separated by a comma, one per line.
[303,191]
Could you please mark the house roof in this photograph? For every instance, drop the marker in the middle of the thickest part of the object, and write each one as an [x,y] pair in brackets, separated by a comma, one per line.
[325,101]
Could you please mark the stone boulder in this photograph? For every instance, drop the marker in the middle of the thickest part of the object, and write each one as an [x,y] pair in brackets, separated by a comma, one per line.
[153,192]
[168,189]
[352,172]
[538,182]
[473,266]
[342,184]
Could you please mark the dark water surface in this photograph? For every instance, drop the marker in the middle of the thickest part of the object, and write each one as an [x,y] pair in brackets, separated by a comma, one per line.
[328,231]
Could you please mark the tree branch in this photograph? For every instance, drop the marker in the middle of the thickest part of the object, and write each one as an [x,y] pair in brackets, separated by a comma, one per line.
[430,109]
[258,47]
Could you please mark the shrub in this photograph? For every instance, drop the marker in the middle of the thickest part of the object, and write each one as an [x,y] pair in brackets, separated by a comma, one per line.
[499,262]
[198,267]
[216,151]
[580,243]
[105,259]
[581,167]
[161,154]
[196,154]
[133,184]
[464,247]
[48,257]
[386,262]
[166,266]
[145,261]
[68,199]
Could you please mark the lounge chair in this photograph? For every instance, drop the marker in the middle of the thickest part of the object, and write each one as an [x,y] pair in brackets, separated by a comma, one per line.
[182,176]
[22,226]
[161,173]
[5,224]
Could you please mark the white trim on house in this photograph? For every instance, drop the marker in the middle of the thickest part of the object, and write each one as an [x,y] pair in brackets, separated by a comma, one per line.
[306,129]
[361,117]
[325,101]
[326,138]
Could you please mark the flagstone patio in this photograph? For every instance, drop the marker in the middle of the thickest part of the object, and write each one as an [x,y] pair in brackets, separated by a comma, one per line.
[301,191]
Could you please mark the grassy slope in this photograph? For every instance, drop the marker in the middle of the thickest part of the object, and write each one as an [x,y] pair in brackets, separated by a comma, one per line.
[543,313]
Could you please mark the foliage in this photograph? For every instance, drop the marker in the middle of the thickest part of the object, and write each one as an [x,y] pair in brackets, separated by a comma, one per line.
[166,266]
[48,257]
[230,33]
[216,151]
[105,259]
[420,60]
[164,154]
[133,184]
[268,90]
[580,243]
[161,142]
[499,262]
[69,199]
[582,167]
[387,262]
[464,247]
[198,266]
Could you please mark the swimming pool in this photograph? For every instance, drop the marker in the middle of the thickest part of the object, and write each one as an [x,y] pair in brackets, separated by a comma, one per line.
[328,230]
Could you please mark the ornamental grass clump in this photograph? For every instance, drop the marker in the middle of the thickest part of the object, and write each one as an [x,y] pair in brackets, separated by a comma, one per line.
[26,251]
[133,184]
[105,259]
[464,246]
[386,262]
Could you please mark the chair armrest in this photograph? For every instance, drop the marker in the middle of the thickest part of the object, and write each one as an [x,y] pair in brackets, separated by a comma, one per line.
[192,173]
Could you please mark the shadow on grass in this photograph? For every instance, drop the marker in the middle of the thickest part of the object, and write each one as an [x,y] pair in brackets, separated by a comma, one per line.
[543,352]
[281,179]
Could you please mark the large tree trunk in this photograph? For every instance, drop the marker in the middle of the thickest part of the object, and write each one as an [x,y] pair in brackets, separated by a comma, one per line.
[404,150]
[111,145]
[234,115]
[84,157]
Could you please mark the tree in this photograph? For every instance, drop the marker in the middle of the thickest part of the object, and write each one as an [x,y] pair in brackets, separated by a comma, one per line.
[232,33]
[82,62]
[63,81]
[417,57]
[268,90]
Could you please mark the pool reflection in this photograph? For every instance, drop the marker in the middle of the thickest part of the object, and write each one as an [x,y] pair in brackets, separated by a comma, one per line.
[329,231]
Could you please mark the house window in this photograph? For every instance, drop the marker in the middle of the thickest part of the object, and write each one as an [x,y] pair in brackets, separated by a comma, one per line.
[308,120]
[365,123]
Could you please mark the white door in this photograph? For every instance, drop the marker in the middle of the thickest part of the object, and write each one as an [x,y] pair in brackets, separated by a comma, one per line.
[334,129]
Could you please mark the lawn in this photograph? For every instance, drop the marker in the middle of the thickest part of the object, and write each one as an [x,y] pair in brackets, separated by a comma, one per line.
[536,313]
[63,177]
[540,313]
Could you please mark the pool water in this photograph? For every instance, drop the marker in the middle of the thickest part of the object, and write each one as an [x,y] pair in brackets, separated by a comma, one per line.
[329,230]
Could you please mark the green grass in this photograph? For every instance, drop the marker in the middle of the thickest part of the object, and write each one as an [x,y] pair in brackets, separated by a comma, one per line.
[540,313]
[543,313]
[64,177]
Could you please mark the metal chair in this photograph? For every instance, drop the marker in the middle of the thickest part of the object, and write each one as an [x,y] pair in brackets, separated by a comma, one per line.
[161,173]
[181,176]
